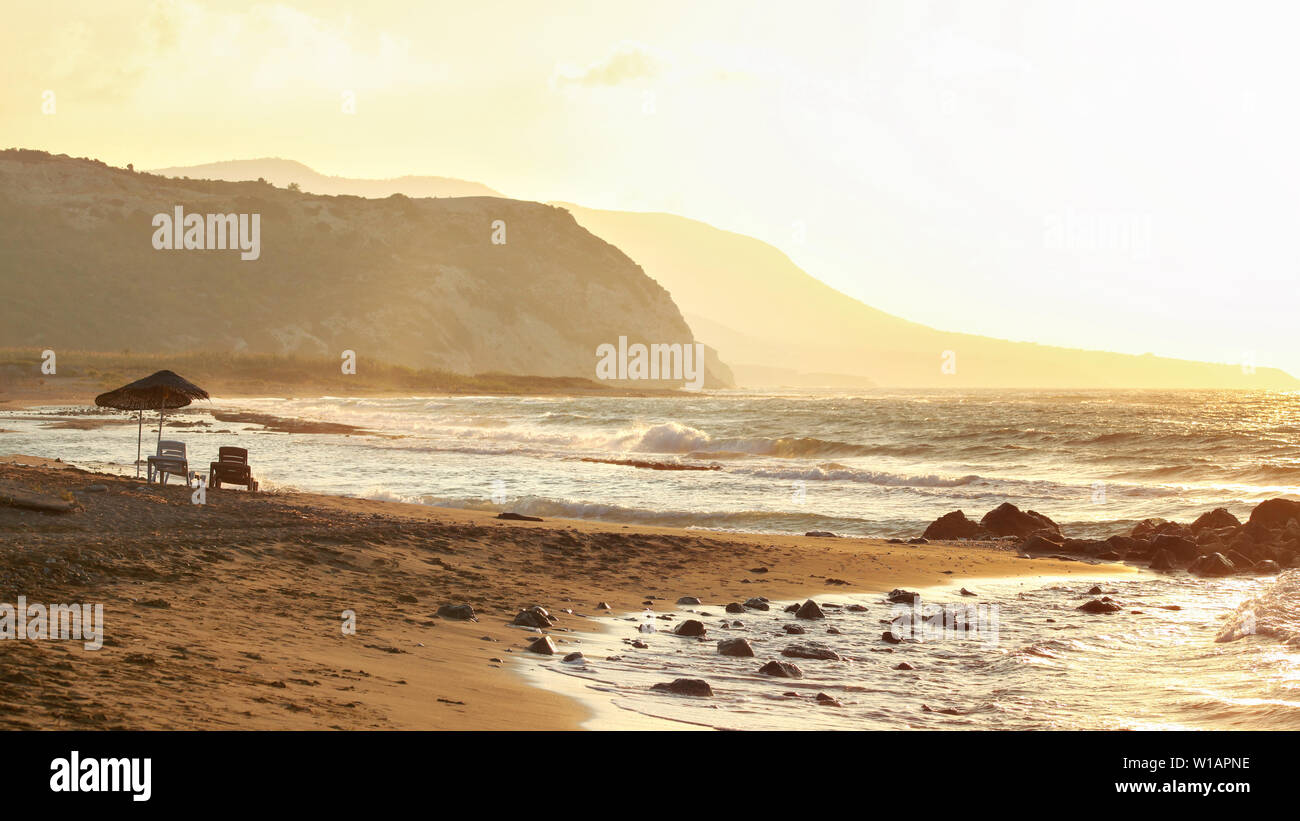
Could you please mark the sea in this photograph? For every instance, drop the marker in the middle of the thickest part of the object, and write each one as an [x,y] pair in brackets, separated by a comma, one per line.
[1184,653]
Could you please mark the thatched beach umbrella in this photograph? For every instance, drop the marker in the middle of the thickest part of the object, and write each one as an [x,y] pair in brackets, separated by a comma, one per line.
[158,391]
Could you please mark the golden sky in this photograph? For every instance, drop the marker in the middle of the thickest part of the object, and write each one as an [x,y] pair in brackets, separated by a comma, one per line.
[1106,175]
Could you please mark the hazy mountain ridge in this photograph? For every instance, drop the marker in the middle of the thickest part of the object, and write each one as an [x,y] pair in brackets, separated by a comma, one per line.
[415,282]
[281,173]
[764,314]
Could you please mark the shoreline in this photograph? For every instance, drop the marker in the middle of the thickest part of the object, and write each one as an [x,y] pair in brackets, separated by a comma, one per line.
[604,714]
[182,584]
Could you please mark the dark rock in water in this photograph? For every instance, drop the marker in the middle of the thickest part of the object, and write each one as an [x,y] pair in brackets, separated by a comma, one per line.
[534,617]
[828,701]
[793,608]
[1094,591]
[457,612]
[1123,544]
[809,610]
[1215,564]
[640,645]
[1088,547]
[889,637]
[691,627]
[821,533]
[1099,606]
[1008,520]
[918,540]
[575,657]
[794,629]
[811,651]
[1275,513]
[1215,519]
[1147,528]
[695,687]
[781,669]
[518,517]
[966,592]
[1238,560]
[833,631]
[735,647]
[1267,566]
[900,596]
[1184,550]
[735,607]
[757,603]
[543,645]
[689,600]
[902,665]
[1039,543]
[604,606]
[954,525]
[856,608]
[1163,560]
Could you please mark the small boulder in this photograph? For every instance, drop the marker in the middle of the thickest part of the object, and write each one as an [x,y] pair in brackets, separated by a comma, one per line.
[735,647]
[691,627]
[574,658]
[1099,606]
[809,610]
[828,701]
[694,687]
[824,534]
[735,607]
[902,665]
[781,669]
[757,603]
[457,612]
[542,645]
[689,600]
[794,629]
[1214,564]
[900,596]
[534,617]
[811,651]
[518,517]
[1267,566]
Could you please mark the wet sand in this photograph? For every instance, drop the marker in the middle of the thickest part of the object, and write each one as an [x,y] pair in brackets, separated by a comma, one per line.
[227,615]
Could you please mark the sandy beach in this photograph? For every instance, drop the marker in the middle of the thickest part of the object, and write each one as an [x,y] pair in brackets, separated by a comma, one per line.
[228,614]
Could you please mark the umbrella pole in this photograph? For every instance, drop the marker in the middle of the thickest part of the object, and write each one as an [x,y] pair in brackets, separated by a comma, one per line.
[139,434]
